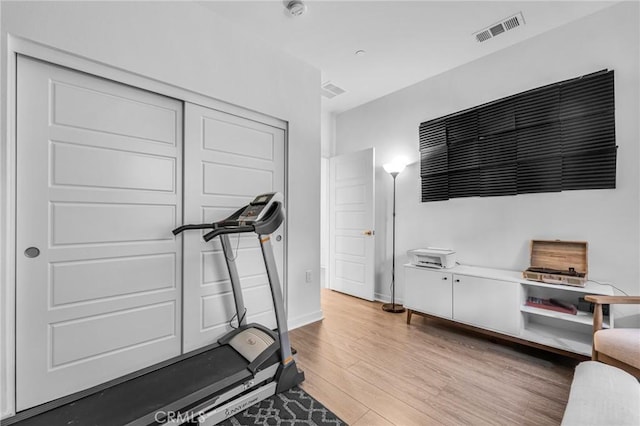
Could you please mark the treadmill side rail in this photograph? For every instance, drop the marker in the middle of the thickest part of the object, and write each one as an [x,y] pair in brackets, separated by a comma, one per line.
[215,403]
[236,406]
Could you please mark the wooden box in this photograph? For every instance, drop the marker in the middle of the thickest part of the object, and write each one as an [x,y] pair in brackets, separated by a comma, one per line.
[558,262]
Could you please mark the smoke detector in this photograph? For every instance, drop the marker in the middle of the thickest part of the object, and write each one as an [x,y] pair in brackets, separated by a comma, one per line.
[502,26]
[296,7]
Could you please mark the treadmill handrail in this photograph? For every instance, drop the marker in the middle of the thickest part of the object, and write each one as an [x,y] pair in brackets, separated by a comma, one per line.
[227,230]
[231,225]
[183,228]
[213,225]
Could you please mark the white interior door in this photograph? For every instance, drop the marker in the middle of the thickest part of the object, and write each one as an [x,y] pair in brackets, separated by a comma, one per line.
[98,193]
[352,235]
[228,161]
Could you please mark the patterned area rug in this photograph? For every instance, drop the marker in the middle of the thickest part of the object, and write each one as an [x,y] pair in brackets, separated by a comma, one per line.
[294,407]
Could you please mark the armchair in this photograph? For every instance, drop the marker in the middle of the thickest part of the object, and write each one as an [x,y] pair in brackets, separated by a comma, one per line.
[619,347]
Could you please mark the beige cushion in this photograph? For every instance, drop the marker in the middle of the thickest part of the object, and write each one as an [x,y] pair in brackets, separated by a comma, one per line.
[602,395]
[622,344]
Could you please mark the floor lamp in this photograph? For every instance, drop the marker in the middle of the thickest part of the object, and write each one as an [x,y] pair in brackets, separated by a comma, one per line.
[394,170]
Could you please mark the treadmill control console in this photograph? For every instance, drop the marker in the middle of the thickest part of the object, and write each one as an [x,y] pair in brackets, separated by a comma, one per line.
[256,210]
[262,216]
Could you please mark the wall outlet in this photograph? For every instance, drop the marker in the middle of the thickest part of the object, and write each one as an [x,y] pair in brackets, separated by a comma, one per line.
[308,276]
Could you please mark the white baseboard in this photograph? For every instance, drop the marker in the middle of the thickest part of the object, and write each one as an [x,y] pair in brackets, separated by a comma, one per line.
[305,319]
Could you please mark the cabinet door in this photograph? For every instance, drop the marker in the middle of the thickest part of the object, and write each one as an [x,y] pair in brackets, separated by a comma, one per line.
[428,291]
[487,303]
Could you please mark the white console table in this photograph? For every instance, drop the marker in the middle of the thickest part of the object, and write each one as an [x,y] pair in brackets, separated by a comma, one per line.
[493,301]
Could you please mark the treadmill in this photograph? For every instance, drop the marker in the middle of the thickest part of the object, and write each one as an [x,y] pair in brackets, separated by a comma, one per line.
[208,385]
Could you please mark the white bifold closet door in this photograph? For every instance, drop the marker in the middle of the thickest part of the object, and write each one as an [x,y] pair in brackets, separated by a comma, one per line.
[228,161]
[99,168]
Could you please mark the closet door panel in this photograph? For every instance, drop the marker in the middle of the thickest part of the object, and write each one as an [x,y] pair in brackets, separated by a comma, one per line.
[228,161]
[98,292]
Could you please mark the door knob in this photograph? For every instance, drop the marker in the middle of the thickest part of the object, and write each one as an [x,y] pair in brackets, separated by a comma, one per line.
[368,232]
[32,252]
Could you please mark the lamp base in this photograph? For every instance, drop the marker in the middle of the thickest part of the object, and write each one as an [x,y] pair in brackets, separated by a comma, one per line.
[394,308]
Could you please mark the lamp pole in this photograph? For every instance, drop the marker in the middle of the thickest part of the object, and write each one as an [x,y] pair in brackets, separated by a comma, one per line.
[391,307]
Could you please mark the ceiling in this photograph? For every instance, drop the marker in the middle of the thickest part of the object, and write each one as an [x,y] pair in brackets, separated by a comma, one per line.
[405,41]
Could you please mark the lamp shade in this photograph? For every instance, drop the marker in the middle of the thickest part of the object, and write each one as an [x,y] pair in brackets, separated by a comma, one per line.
[397,166]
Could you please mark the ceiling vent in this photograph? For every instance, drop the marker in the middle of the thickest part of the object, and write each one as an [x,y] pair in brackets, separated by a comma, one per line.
[505,25]
[330,90]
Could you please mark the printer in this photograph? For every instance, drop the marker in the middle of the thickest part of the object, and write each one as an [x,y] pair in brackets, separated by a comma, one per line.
[433,257]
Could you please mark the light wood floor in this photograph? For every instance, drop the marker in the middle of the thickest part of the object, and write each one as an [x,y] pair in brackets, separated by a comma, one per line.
[371,368]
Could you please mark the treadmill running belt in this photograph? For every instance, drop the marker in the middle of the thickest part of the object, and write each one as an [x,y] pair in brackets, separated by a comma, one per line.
[189,379]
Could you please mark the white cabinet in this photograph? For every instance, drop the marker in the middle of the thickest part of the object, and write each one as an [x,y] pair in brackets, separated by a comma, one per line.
[495,300]
[487,303]
[428,291]
[563,331]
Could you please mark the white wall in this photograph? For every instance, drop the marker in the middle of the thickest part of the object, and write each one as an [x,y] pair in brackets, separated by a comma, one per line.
[184,45]
[495,231]
[324,221]
[327,149]
[327,134]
